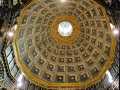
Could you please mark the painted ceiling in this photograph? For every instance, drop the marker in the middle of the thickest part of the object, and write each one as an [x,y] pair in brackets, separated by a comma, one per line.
[50,59]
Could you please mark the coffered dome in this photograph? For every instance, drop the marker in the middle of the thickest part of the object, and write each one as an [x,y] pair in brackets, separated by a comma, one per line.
[64,43]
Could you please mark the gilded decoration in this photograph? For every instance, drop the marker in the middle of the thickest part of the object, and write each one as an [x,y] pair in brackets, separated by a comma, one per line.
[49,60]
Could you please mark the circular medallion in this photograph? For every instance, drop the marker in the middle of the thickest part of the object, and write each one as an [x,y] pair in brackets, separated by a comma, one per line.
[64,44]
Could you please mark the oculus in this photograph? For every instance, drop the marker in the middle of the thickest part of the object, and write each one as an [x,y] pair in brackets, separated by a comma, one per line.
[65,29]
